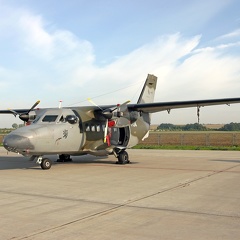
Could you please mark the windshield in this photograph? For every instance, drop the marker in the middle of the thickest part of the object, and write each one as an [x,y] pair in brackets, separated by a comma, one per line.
[37,118]
[50,118]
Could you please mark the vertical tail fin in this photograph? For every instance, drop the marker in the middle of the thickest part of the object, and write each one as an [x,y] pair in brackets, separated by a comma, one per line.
[148,91]
[147,95]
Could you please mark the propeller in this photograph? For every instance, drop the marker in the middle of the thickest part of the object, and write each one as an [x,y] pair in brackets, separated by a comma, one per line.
[117,113]
[122,115]
[25,115]
[118,116]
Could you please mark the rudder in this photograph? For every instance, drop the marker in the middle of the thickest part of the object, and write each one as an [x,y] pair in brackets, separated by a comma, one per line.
[148,91]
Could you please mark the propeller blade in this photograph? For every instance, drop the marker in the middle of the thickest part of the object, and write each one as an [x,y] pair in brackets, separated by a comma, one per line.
[13,112]
[123,107]
[125,103]
[93,103]
[105,132]
[34,105]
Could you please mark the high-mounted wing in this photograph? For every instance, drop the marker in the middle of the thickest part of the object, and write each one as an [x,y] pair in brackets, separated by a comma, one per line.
[167,106]
[18,111]
[23,113]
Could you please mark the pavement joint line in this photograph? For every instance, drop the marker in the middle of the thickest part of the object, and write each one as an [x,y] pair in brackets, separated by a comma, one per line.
[187,212]
[119,206]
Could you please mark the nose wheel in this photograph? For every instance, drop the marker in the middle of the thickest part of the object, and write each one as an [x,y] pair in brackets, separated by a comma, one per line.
[45,163]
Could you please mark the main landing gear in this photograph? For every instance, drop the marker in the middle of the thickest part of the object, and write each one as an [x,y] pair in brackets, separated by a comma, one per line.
[46,163]
[122,156]
[64,158]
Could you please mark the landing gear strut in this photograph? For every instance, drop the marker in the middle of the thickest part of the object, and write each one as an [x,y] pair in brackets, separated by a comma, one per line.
[122,157]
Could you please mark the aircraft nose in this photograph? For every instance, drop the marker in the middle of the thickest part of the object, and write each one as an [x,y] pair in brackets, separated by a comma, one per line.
[17,143]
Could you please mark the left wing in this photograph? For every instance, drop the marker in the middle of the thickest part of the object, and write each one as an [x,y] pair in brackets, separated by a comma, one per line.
[167,106]
[14,110]
[23,113]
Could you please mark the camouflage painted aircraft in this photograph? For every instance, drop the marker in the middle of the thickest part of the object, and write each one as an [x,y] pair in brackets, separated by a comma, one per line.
[96,130]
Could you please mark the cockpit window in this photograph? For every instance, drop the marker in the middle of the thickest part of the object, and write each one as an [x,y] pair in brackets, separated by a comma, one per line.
[62,119]
[50,118]
[37,118]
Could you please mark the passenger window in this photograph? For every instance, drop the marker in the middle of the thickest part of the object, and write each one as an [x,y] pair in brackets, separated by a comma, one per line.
[93,128]
[87,128]
[50,118]
[98,128]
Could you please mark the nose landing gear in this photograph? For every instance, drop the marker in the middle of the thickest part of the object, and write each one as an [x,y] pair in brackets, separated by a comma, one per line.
[45,163]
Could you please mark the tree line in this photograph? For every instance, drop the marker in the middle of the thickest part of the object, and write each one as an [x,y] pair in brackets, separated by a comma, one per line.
[197,127]
[15,125]
[188,127]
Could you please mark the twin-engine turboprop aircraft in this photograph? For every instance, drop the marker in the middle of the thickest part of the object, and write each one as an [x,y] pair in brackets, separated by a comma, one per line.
[99,131]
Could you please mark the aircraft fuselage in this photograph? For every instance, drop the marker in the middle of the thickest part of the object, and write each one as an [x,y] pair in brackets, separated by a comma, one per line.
[72,131]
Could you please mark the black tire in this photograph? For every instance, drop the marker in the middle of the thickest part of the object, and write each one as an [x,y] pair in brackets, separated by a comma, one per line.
[67,158]
[46,164]
[64,158]
[123,157]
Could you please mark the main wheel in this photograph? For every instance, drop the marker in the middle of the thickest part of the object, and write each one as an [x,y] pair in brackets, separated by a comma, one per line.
[64,158]
[46,164]
[123,157]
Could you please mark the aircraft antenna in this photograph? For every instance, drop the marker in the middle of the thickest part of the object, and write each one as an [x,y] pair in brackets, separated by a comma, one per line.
[198,113]
[60,104]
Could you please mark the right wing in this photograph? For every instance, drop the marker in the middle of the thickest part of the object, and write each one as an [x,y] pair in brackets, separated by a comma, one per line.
[167,106]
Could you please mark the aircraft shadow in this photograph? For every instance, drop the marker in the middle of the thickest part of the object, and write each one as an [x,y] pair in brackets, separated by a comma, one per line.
[223,160]
[89,159]
[19,162]
[16,162]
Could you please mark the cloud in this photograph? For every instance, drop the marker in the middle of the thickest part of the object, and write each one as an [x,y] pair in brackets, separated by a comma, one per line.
[50,44]
[163,52]
[34,34]
[233,34]
[206,75]
[39,56]
[52,64]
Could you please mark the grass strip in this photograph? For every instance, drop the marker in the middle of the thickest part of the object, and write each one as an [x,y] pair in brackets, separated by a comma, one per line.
[178,147]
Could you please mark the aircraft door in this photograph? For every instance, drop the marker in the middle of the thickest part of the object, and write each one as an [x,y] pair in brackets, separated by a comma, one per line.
[120,136]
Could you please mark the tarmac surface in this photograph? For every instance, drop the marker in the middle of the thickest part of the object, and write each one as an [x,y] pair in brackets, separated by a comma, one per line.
[162,194]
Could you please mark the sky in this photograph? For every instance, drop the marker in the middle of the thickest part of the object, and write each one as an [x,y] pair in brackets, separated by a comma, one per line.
[77,49]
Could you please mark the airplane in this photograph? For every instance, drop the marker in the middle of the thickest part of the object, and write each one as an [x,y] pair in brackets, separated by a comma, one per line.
[95,130]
